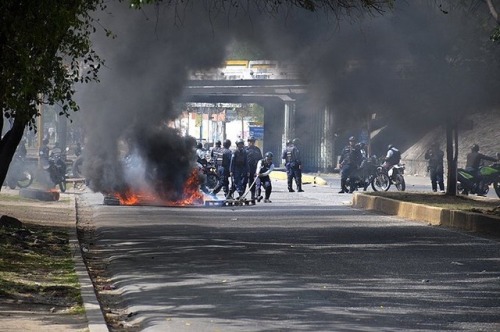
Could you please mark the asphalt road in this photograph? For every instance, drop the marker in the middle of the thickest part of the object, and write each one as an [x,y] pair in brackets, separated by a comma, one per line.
[305,262]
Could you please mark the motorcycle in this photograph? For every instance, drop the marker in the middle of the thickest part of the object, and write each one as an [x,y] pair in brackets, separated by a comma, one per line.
[467,182]
[19,175]
[395,173]
[56,167]
[369,173]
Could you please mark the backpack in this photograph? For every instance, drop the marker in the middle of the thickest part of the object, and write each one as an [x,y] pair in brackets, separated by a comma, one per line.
[396,157]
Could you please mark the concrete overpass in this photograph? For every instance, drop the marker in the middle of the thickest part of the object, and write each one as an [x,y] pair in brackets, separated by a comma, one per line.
[286,114]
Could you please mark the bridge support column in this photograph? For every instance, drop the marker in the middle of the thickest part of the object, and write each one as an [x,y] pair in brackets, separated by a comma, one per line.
[328,138]
[289,125]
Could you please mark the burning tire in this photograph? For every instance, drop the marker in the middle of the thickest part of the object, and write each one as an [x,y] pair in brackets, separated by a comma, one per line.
[41,195]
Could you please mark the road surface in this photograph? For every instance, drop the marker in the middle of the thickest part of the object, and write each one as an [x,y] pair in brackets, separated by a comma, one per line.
[305,262]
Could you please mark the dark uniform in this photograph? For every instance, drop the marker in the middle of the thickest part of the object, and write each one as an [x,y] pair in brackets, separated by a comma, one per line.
[291,155]
[239,168]
[264,168]
[435,166]
[254,155]
[350,159]
[223,162]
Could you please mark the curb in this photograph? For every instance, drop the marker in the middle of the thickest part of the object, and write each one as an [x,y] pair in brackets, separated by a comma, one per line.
[306,179]
[93,312]
[466,221]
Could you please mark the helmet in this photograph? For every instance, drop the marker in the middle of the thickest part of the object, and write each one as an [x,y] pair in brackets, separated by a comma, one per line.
[296,141]
[288,142]
[390,146]
[269,155]
[218,143]
[352,139]
[251,139]
[227,144]
[240,141]
[475,148]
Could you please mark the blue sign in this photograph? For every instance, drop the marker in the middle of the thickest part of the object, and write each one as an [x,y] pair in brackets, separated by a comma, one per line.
[257,132]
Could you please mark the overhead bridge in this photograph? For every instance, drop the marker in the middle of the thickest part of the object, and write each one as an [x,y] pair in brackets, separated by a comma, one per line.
[243,91]
[288,113]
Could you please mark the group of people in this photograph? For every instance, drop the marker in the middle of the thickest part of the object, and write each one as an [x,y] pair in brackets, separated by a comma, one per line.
[354,154]
[351,159]
[245,166]
[435,157]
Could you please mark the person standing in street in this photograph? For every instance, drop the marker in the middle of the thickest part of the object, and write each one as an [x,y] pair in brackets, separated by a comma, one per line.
[239,168]
[264,168]
[216,153]
[350,159]
[293,165]
[223,162]
[254,155]
[435,166]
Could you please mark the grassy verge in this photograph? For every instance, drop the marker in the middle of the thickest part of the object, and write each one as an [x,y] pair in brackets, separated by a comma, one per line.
[36,267]
[36,263]
[463,203]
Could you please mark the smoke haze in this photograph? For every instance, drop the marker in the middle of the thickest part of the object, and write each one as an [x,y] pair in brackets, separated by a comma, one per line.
[358,66]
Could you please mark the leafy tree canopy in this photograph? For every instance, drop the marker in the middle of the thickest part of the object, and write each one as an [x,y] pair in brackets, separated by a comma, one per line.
[44,49]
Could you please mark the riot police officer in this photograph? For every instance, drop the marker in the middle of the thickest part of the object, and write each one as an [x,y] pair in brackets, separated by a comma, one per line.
[264,168]
[223,162]
[293,165]
[254,155]
[239,168]
[350,159]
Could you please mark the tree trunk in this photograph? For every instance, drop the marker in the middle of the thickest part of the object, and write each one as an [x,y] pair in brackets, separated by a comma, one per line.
[452,157]
[8,146]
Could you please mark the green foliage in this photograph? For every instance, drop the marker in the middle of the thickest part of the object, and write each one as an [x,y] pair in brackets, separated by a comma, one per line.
[45,48]
[495,35]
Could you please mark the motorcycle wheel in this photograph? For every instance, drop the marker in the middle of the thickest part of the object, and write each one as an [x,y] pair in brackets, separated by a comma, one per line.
[400,182]
[496,185]
[25,180]
[381,182]
[212,181]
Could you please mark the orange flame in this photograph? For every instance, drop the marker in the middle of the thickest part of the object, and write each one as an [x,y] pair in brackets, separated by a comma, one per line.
[191,195]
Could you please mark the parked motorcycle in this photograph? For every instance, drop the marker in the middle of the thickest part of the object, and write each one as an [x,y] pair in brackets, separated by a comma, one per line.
[56,167]
[19,174]
[381,181]
[395,173]
[467,182]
